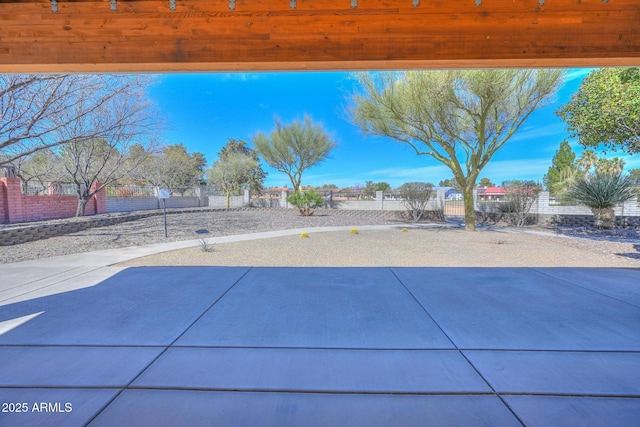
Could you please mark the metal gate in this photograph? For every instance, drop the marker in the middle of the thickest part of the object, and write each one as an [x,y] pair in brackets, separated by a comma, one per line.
[453,208]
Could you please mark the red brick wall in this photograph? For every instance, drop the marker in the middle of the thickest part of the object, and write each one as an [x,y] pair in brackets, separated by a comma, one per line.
[15,207]
[3,203]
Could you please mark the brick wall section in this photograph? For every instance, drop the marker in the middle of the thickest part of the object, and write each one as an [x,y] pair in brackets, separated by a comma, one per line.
[3,202]
[16,207]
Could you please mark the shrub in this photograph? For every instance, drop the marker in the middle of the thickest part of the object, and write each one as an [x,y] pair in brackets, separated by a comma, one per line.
[306,202]
[519,198]
[416,196]
[354,231]
[601,192]
[304,235]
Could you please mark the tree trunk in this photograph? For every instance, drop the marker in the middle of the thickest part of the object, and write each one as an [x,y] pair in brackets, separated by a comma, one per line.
[604,218]
[228,199]
[82,204]
[469,208]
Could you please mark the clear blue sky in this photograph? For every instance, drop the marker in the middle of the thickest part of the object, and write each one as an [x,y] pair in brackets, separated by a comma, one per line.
[204,110]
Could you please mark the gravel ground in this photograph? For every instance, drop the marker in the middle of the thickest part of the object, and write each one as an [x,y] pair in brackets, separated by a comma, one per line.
[181,226]
[444,247]
[416,247]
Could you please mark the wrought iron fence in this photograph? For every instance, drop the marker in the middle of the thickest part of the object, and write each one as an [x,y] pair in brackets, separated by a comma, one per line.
[120,190]
[267,194]
[33,188]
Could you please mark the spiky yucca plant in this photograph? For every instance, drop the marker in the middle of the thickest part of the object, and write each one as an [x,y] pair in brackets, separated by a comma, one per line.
[601,192]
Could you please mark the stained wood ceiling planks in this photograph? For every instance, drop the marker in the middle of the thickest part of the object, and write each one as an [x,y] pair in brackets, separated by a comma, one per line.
[146,35]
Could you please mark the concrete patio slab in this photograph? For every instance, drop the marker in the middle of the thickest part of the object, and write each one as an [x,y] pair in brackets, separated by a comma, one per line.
[625,287]
[341,371]
[69,280]
[139,306]
[73,366]
[13,275]
[560,373]
[178,408]
[521,308]
[48,407]
[317,308]
[544,411]
[326,346]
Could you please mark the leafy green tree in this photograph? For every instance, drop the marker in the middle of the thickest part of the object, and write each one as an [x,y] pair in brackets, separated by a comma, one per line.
[563,165]
[173,168]
[230,172]
[485,182]
[255,177]
[634,176]
[370,188]
[587,160]
[449,182]
[36,168]
[459,117]
[294,148]
[613,166]
[327,187]
[605,112]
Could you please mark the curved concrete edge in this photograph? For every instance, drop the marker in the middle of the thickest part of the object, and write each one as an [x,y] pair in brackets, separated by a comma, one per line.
[109,257]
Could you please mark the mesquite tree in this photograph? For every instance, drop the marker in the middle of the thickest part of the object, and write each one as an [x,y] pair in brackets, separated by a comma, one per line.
[459,117]
[294,148]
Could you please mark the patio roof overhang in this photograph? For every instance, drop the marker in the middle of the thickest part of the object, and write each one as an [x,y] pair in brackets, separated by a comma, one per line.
[253,35]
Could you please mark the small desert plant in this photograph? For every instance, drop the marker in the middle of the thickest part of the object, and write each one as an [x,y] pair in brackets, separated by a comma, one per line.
[304,235]
[601,192]
[416,196]
[405,230]
[205,246]
[306,202]
[354,231]
[519,198]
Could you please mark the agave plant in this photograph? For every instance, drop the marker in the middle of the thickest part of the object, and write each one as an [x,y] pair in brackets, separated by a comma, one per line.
[601,192]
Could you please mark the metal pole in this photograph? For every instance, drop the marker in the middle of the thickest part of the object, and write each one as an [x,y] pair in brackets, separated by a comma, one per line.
[164,205]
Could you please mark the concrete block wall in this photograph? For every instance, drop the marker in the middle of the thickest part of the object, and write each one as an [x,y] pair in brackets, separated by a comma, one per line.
[130,204]
[220,202]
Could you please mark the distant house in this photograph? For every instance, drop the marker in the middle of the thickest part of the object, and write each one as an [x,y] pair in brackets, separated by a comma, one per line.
[453,194]
[491,194]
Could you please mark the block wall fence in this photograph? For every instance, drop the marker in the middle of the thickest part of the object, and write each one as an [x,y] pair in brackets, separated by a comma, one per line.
[17,207]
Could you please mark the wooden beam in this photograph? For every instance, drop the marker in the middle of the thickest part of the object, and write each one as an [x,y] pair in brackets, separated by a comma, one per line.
[206,35]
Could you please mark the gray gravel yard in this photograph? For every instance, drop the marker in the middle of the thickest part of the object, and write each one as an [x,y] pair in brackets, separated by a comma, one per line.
[182,226]
[558,247]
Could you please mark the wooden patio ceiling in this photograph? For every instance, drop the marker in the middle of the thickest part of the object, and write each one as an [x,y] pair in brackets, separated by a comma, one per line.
[198,35]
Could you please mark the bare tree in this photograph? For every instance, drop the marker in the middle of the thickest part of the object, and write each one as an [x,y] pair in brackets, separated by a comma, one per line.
[520,196]
[44,111]
[98,162]
[174,168]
